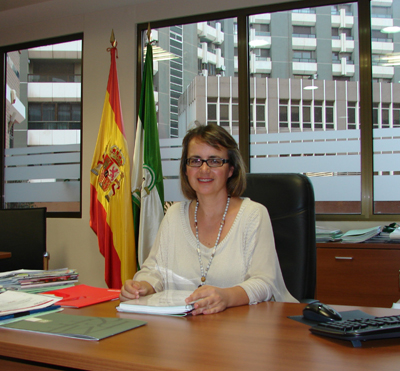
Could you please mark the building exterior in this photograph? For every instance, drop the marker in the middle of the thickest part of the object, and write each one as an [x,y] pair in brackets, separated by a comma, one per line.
[43,120]
[15,108]
[304,94]
[311,48]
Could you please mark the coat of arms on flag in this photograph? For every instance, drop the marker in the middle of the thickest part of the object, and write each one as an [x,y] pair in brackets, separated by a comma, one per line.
[109,171]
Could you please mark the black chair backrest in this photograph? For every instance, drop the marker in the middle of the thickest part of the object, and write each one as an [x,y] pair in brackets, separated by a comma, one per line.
[289,199]
[23,233]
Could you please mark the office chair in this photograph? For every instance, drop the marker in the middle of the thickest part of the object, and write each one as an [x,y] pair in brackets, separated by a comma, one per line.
[23,233]
[289,199]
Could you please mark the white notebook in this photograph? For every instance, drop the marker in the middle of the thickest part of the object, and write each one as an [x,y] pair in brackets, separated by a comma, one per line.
[166,302]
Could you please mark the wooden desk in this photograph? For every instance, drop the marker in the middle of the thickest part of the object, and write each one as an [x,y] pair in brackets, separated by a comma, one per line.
[257,337]
[5,255]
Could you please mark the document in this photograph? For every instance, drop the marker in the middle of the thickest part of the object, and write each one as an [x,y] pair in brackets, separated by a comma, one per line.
[83,295]
[169,302]
[31,313]
[74,326]
[37,280]
[325,235]
[15,302]
[360,235]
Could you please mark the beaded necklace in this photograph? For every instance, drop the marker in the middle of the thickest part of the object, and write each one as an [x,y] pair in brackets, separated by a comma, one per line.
[204,274]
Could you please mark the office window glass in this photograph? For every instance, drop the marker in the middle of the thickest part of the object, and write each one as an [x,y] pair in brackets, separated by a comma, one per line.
[385,44]
[304,92]
[313,73]
[194,84]
[43,127]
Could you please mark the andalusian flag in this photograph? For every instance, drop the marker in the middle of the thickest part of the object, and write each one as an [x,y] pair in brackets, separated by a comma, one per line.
[110,189]
[147,178]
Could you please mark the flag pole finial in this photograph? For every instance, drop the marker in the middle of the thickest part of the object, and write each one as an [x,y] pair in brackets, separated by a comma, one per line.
[113,43]
[148,33]
[112,39]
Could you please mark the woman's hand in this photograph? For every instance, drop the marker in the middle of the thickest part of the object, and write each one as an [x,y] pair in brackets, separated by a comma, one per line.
[211,299]
[134,289]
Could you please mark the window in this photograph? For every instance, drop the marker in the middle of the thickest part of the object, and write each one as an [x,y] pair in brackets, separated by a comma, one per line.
[54,116]
[283,115]
[42,126]
[381,11]
[261,29]
[308,95]
[295,115]
[396,115]
[318,114]
[377,35]
[346,31]
[347,8]
[386,103]
[212,110]
[306,115]
[351,115]
[235,117]
[303,56]
[224,115]
[317,97]
[329,115]
[303,31]
[262,54]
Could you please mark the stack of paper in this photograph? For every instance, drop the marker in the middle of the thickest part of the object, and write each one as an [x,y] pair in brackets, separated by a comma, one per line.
[37,280]
[169,302]
[326,235]
[360,235]
[395,235]
[15,305]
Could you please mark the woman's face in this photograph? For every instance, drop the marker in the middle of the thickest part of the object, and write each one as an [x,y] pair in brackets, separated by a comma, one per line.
[207,180]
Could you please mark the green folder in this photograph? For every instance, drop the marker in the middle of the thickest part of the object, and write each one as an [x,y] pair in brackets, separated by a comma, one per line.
[79,327]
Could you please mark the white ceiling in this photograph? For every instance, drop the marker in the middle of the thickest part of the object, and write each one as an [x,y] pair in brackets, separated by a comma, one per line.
[21,12]
[11,4]
[84,5]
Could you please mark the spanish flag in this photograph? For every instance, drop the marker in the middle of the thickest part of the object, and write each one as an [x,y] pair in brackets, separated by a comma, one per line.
[111,215]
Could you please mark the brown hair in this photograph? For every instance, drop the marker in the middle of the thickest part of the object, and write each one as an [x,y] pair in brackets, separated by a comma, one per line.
[217,137]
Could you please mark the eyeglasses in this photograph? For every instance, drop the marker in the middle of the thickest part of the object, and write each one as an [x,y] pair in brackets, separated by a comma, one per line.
[211,162]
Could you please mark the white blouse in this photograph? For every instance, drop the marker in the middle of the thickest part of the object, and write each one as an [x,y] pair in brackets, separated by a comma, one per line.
[246,257]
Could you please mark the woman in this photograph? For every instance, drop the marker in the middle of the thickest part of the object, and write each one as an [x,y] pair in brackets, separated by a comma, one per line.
[217,244]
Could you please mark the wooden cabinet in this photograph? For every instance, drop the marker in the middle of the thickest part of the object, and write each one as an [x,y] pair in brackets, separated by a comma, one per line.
[365,274]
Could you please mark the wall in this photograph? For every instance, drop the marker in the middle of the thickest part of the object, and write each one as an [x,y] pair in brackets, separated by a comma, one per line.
[71,242]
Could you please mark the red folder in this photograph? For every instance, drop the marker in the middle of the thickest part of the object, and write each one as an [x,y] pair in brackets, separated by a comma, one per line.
[82,295]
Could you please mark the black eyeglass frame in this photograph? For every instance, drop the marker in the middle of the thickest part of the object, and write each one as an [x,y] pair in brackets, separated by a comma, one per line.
[224,161]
